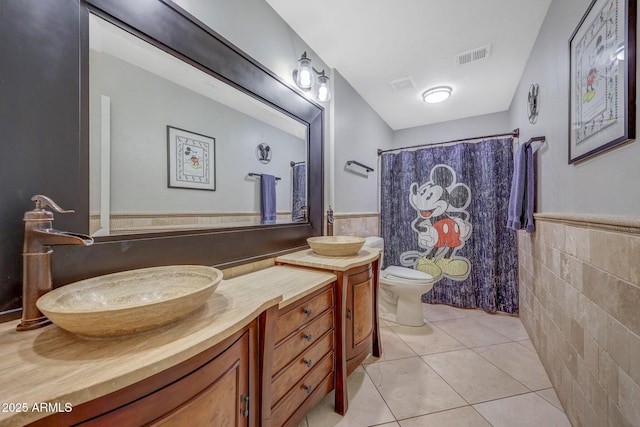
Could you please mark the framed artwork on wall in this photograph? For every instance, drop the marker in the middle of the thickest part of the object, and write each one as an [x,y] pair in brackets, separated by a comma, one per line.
[191,160]
[602,53]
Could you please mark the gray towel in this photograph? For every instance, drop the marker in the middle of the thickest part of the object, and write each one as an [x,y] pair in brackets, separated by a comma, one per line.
[521,201]
[267,199]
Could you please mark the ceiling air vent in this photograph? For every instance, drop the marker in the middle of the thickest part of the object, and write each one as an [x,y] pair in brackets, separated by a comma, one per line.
[474,55]
[403,83]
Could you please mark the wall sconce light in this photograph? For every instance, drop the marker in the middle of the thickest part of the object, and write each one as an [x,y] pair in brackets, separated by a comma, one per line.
[304,76]
[436,94]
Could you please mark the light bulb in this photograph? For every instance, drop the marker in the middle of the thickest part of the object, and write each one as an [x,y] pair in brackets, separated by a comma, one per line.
[324,94]
[304,76]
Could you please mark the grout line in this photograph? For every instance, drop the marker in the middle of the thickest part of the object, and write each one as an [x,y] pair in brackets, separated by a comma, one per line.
[381,396]
[471,405]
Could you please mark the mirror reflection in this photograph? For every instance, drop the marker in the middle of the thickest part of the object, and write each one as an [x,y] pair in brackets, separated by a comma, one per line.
[173,148]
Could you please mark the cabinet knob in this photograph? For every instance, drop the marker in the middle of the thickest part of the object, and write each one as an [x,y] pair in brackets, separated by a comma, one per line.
[308,337]
[307,388]
[307,311]
[349,316]
[308,363]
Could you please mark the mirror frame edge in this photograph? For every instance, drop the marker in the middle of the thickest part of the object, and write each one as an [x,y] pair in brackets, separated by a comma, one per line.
[222,248]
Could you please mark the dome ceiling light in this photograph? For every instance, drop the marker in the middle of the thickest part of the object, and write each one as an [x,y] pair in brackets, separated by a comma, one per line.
[436,94]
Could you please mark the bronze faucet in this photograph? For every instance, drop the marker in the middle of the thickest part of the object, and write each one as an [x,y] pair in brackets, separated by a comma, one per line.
[39,236]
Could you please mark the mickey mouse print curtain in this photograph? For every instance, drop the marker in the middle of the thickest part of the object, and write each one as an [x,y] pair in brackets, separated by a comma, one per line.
[444,211]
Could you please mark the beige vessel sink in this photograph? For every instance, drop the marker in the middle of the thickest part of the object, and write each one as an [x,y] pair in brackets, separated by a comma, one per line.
[130,302]
[336,245]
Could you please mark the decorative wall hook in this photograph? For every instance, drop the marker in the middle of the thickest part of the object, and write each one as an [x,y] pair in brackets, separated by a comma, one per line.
[263,151]
[533,103]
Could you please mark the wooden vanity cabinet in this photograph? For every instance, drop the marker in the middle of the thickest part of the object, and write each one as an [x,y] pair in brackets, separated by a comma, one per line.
[303,358]
[356,311]
[215,388]
[359,315]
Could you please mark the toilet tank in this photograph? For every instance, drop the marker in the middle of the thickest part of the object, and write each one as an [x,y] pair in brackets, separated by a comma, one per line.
[375,242]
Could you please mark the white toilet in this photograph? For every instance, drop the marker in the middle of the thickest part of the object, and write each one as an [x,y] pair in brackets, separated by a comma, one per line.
[400,292]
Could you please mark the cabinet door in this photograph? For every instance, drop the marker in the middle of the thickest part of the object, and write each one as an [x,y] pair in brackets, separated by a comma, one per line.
[224,401]
[213,395]
[359,312]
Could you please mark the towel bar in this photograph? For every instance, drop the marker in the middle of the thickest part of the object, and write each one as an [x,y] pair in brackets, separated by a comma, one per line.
[259,175]
[353,162]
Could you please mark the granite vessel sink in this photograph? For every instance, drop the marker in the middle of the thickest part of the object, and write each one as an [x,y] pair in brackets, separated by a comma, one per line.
[335,245]
[130,302]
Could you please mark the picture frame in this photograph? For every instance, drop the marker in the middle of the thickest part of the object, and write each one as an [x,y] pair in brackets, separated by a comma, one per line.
[191,160]
[602,52]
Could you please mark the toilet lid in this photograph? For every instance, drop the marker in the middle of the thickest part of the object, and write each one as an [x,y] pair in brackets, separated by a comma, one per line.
[406,273]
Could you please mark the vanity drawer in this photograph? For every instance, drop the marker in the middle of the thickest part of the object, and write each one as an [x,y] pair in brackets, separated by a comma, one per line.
[298,342]
[318,383]
[301,366]
[303,313]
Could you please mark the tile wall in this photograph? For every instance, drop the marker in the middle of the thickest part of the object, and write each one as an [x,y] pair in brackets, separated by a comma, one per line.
[580,303]
[361,225]
[131,223]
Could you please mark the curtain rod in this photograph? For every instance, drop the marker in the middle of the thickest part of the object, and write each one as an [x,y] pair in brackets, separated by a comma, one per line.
[514,133]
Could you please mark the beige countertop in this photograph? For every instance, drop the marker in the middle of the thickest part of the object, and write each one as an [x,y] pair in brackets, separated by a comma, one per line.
[308,258]
[52,365]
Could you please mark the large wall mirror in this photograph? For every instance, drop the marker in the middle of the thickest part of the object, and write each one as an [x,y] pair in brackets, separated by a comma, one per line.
[179,81]
[173,148]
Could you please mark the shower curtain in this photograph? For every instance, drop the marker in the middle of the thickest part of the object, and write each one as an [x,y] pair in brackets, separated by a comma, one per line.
[299,198]
[444,211]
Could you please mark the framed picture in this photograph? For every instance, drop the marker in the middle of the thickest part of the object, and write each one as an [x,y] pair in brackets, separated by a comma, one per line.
[602,54]
[191,160]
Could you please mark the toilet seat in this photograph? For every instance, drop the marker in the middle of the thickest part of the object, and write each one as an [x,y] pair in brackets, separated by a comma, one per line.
[406,276]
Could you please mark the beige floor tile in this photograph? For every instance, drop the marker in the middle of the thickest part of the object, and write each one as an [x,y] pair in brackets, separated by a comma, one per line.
[527,410]
[427,339]
[519,362]
[550,396]
[471,333]
[411,388]
[460,417]
[392,348]
[527,344]
[473,312]
[393,424]
[507,325]
[473,377]
[435,312]
[366,406]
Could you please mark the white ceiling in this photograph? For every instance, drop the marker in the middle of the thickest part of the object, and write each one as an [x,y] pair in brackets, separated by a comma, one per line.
[373,42]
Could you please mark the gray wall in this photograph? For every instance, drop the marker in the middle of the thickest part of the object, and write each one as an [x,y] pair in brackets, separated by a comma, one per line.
[356,132]
[488,124]
[605,184]
[254,27]
[142,105]
[359,132]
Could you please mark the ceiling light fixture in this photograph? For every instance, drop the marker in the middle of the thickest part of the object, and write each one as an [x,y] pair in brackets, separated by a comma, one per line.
[304,76]
[436,94]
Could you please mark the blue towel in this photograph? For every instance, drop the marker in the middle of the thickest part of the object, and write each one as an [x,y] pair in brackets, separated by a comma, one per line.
[267,199]
[521,201]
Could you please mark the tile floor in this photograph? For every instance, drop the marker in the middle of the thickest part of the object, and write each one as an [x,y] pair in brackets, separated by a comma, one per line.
[463,368]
